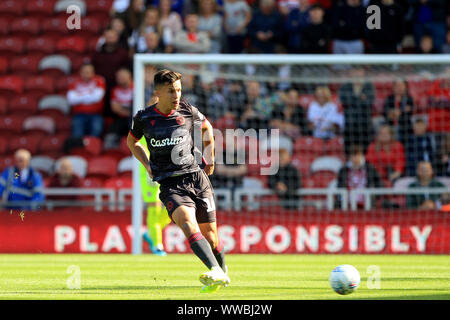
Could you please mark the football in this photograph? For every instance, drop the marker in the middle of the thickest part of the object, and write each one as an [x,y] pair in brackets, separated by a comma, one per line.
[344,279]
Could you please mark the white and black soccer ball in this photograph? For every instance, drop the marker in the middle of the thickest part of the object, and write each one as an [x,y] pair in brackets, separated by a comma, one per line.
[344,279]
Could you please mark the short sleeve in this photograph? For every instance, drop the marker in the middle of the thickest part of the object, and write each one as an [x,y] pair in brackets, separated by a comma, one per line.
[137,129]
[198,117]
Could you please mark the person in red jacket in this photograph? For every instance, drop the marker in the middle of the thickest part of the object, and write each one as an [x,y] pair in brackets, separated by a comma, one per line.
[387,155]
[85,97]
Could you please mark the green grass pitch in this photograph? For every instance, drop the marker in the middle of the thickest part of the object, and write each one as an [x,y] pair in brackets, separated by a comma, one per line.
[280,277]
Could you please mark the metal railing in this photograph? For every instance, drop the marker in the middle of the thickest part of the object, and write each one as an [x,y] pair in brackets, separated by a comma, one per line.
[227,199]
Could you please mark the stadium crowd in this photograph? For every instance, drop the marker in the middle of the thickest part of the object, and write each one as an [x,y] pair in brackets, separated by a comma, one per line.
[376,146]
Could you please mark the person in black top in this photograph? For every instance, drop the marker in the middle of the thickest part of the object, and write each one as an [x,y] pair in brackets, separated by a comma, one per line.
[316,36]
[286,182]
[171,127]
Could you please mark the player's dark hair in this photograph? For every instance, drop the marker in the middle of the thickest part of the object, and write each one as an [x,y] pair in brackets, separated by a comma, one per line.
[166,76]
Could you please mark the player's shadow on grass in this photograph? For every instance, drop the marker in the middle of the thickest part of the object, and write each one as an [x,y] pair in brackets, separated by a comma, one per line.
[411,297]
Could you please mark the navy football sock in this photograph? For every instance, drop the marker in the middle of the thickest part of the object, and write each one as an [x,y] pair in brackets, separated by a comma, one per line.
[202,249]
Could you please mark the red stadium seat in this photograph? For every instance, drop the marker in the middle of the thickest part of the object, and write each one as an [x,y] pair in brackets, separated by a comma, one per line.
[125,166]
[335,146]
[303,163]
[53,145]
[309,145]
[11,85]
[11,46]
[92,182]
[439,120]
[99,9]
[92,43]
[23,104]
[323,178]
[63,82]
[78,60]
[3,106]
[11,124]
[63,123]
[92,147]
[30,142]
[4,26]
[12,7]
[54,106]
[55,65]
[3,65]
[90,26]
[3,145]
[72,44]
[39,8]
[40,84]
[6,162]
[118,183]
[25,26]
[43,45]
[25,65]
[102,166]
[55,27]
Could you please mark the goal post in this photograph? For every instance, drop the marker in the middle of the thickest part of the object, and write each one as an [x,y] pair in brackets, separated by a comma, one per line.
[302,70]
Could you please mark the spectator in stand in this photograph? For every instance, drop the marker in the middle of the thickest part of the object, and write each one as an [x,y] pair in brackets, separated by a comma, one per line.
[209,96]
[348,22]
[152,42]
[226,174]
[316,35]
[150,23]
[286,6]
[265,28]
[419,147]
[357,173]
[108,60]
[118,25]
[446,46]
[191,40]
[443,157]
[387,155]
[210,22]
[430,18]
[170,23]
[237,16]
[21,183]
[357,98]
[150,71]
[64,178]
[258,107]
[133,16]
[388,38]
[426,45]
[398,110]
[177,6]
[324,119]
[290,117]
[296,20]
[286,182]
[121,106]
[85,97]
[191,91]
[424,180]
[235,97]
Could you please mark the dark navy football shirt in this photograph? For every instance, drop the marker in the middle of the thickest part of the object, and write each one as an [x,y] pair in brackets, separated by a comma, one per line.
[170,139]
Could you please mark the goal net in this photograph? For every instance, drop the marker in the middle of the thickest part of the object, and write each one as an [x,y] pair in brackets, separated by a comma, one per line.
[318,154]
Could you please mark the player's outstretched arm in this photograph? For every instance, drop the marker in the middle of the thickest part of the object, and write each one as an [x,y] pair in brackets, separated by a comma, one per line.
[140,152]
[208,146]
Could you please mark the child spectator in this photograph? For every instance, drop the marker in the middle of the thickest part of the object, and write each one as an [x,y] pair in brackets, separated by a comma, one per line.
[387,155]
[427,45]
[316,35]
[170,22]
[286,182]
[121,106]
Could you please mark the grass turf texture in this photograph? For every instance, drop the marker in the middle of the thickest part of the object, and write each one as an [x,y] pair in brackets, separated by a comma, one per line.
[175,276]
